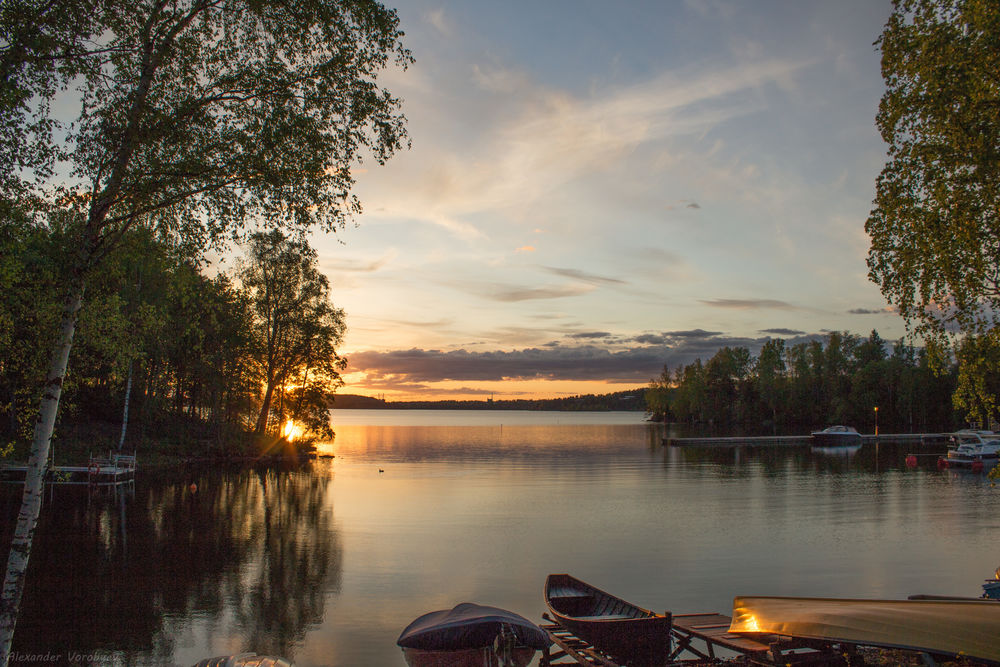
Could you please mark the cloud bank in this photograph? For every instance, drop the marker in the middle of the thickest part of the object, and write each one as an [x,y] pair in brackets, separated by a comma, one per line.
[639,361]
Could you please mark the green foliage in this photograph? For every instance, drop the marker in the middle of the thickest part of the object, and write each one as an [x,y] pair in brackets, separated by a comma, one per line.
[195,343]
[935,225]
[811,384]
[657,396]
[978,392]
[294,334]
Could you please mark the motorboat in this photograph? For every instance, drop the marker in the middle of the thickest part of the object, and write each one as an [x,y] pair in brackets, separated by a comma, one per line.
[991,587]
[471,635]
[971,449]
[836,436]
[626,632]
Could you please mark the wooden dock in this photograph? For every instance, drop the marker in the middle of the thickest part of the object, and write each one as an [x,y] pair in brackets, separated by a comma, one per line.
[114,471]
[925,439]
[695,639]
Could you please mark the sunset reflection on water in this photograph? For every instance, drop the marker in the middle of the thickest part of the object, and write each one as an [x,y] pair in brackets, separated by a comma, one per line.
[328,560]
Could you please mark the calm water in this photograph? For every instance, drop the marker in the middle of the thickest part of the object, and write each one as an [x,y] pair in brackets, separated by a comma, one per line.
[327,562]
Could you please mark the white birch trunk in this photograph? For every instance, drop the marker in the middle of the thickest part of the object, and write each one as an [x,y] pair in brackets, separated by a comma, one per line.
[31,503]
[128,392]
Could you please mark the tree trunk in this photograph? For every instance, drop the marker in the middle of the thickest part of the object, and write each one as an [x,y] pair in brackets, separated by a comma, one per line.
[128,392]
[31,503]
[265,408]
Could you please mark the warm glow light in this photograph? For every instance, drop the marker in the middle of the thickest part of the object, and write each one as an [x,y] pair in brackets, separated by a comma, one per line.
[475,390]
[750,625]
[291,431]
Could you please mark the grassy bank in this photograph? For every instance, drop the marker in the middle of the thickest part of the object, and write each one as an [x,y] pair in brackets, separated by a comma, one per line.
[165,442]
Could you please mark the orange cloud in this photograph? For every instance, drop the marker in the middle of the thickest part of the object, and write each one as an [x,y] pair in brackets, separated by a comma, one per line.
[526,248]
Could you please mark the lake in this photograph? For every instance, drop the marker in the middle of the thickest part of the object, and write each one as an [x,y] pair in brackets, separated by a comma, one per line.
[326,562]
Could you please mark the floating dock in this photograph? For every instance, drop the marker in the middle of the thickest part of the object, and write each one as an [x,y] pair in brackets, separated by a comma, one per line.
[117,470]
[929,439]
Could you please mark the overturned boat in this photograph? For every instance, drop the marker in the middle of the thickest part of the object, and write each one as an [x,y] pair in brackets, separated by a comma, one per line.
[471,635]
[946,627]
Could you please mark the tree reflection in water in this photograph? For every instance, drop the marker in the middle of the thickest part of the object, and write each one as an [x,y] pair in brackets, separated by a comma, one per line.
[250,556]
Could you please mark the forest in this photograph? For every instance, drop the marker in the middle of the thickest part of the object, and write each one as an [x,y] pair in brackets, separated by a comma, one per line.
[631,399]
[169,348]
[840,380]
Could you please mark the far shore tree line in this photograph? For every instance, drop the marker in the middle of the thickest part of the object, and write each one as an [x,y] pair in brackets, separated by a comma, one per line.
[837,381]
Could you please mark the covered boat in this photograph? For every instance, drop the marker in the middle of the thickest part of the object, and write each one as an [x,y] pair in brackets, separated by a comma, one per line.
[947,627]
[836,436]
[626,632]
[471,635]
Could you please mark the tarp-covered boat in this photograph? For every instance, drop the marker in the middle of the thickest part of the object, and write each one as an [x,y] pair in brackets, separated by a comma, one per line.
[471,635]
[626,632]
[942,627]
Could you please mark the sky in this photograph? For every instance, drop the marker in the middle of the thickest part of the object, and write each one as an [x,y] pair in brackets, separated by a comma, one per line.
[598,189]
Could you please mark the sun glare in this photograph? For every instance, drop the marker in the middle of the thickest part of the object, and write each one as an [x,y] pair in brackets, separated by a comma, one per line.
[291,431]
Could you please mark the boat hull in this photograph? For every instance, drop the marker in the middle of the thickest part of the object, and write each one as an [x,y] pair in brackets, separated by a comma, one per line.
[836,436]
[936,626]
[626,632]
[471,635]
[991,589]
[472,657]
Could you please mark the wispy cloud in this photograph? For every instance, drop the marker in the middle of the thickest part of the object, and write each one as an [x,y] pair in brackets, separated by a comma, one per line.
[870,311]
[359,266]
[531,139]
[509,294]
[748,304]
[783,332]
[583,335]
[584,276]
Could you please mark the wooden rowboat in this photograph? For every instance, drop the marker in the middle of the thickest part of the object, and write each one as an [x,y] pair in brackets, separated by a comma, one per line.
[626,632]
[471,635]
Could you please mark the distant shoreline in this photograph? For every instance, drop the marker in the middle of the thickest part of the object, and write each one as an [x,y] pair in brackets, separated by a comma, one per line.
[632,400]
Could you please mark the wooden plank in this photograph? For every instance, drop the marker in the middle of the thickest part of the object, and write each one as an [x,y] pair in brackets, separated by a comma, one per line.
[575,648]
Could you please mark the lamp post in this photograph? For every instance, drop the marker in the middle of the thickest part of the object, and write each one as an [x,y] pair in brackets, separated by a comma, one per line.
[876,421]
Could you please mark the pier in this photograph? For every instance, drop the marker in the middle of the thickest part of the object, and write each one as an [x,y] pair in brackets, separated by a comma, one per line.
[928,439]
[113,472]
[695,640]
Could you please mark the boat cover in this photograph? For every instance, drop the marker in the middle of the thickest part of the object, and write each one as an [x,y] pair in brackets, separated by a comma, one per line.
[469,625]
[969,627]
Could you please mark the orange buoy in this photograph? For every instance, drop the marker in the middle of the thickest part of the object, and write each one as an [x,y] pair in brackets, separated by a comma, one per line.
[942,464]
[193,488]
[911,461]
[977,466]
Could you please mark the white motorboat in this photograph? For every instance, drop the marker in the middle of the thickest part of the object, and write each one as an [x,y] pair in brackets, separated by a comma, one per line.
[972,449]
[836,436]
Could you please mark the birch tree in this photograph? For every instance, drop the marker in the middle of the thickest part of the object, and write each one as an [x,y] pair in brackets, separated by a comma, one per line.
[935,223]
[196,116]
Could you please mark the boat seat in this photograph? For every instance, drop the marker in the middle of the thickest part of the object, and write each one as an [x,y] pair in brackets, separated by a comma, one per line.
[605,617]
[567,593]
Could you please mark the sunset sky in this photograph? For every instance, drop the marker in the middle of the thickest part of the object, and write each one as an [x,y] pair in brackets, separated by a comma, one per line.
[596,189]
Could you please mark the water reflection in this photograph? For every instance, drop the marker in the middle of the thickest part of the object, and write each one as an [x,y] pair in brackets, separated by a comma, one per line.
[257,559]
[243,558]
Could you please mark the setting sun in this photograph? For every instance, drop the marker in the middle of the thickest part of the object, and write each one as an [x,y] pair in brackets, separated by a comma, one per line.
[291,431]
